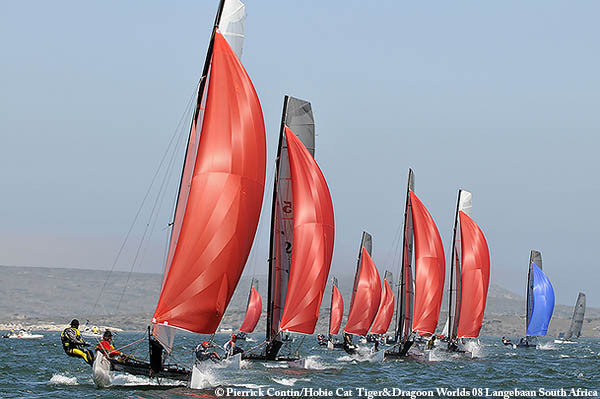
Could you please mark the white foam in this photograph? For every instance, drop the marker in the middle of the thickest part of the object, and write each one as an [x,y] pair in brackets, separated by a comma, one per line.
[547,346]
[132,380]
[277,365]
[285,381]
[312,362]
[251,386]
[564,356]
[59,379]
[288,381]
[475,348]
[245,364]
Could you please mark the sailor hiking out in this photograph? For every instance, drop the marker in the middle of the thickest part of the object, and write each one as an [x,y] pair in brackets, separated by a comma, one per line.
[74,345]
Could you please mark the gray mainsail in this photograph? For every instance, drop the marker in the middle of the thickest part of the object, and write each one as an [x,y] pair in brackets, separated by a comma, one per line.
[534,257]
[464,204]
[404,306]
[577,320]
[297,115]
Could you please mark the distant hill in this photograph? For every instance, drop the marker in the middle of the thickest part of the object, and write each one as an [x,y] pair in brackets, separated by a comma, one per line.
[56,295]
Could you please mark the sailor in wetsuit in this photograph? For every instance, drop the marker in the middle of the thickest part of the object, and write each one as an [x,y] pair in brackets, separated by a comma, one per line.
[348,346]
[431,343]
[105,346]
[202,352]
[74,345]
[231,348]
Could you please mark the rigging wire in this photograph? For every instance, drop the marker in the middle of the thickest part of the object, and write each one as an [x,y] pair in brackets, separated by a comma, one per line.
[151,220]
[141,206]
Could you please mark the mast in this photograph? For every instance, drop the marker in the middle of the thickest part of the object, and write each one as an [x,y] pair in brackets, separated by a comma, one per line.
[454,260]
[534,257]
[272,242]
[577,319]
[366,242]
[156,347]
[199,96]
[406,267]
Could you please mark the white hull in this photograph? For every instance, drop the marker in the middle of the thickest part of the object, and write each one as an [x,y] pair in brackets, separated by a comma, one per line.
[32,336]
[561,341]
[101,373]
[91,335]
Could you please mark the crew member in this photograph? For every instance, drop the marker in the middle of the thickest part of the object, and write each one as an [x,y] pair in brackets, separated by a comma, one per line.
[430,343]
[105,346]
[230,348]
[74,345]
[202,352]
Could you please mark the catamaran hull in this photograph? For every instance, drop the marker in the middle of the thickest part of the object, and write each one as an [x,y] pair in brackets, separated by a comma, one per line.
[34,336]
[101,371]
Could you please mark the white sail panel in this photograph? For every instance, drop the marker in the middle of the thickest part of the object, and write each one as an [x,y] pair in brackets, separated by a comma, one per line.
[465,203]
[231,25]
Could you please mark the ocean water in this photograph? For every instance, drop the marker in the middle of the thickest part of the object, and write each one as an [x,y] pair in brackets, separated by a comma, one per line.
[39,369]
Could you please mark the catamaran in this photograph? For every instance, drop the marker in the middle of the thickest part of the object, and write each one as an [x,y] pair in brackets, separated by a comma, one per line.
[302,236]
[217,209]
[469,276]
[419,297]
[576,322]
[336,312]
[366,296]
[540,302]
[385,312]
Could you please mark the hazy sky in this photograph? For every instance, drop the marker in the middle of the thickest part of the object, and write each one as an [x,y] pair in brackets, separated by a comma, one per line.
[500,98]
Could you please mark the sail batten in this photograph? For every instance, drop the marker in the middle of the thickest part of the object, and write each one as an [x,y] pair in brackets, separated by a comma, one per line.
[223,206]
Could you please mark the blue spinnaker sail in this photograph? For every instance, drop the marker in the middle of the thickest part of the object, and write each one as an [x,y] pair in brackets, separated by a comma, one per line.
[543,304]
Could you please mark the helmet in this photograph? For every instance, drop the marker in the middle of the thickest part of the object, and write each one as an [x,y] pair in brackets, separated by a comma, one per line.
[233,338]
[206,344]
[107,334]
[75,323]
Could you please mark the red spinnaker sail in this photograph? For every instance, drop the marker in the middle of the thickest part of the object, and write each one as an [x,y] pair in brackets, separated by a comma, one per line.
[252,312]
[224,202]
[366,299]
[475,277]
[385,312]
[313,237]
[337,310]
[430,269]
